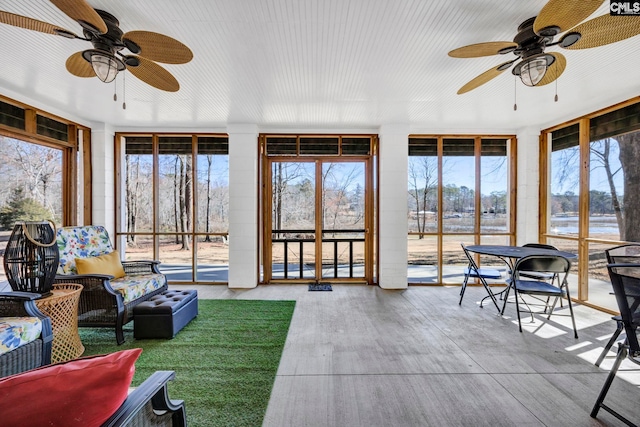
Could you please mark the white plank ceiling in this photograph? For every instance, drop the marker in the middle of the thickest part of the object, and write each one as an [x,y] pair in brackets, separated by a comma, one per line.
[315,64]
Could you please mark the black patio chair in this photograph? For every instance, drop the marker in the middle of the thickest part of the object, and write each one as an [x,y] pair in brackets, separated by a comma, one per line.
[482,274]
[625,279]
[31,355]
[623,254]
[539,275]
[536,289]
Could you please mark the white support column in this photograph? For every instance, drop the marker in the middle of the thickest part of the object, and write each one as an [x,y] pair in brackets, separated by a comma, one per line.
[103,176]
[528,182]
[393,254]
[243,206]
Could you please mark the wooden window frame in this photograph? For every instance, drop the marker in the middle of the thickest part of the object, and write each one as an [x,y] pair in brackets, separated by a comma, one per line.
[582,238]
[121,232]
[69,151]
[477,233]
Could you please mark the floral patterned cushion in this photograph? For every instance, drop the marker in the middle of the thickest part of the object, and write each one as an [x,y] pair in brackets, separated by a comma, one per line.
[81,242]
[18,331]
[133,287]
[92,241]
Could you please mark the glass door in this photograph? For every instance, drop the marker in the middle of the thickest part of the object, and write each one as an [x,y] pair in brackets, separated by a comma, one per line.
[343,220]
[293,220]
[318,222]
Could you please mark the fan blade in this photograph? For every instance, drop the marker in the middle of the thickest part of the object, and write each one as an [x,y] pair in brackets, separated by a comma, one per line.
[555,70]
[30,24]
[154,75]
[78,66]
[80,10]
[484,77]
[564,14]
[158,47]
[481,49]
[604,30]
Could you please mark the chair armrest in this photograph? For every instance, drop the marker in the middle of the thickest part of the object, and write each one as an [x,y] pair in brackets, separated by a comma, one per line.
[88,281]
[141,267]
[20,304]
[154,391]
[23,296]
[23,304]
[75,277]
[142,261]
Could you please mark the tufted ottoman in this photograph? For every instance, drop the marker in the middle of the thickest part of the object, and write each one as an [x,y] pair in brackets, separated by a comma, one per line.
[163,315]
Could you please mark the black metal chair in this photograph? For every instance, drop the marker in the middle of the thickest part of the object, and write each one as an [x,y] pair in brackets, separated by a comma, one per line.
[553,264]
[539,275]
[482,274]
[625,279]
[623,254]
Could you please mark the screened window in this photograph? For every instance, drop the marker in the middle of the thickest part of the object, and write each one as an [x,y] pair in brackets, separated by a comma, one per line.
[39,163]
[591,203]
[458,192]
[176,204]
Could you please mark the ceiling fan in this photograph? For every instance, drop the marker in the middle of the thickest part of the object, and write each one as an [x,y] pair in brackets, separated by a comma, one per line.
[537,68]
[106,59]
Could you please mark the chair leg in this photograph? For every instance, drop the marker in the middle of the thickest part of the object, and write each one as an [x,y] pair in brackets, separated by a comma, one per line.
[506,297]
[551,307]
[119,332]
[515,294]
[573,319]
[464,288]
[491,295]
[612,340]
[622,354]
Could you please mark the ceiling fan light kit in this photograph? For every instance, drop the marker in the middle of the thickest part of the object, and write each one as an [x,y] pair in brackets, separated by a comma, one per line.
[104,64]
[106,59]
[537,68]
[533,69]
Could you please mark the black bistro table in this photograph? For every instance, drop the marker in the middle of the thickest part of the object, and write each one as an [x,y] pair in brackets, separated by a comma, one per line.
[510,254]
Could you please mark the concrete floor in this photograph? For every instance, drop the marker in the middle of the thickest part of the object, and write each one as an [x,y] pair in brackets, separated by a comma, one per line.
[364,356]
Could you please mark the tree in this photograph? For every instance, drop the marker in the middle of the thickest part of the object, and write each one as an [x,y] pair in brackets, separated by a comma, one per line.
[629,160]
[423,179]
[599,202]
[34,168]
[21,208]
[498,202]
[132,184]
[183,205]
[208,214]
[600,155]
[335,188]
[283,174]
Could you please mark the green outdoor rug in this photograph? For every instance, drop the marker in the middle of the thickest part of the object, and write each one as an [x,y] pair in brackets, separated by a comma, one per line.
[225,359]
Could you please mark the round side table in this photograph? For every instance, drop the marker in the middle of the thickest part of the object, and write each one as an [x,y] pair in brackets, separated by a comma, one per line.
[62,307]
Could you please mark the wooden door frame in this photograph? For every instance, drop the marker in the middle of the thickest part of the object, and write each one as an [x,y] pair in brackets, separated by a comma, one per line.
[267,218]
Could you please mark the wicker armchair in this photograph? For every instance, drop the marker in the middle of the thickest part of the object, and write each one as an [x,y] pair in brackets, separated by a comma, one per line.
[34,354]
[104,301]
[149,405]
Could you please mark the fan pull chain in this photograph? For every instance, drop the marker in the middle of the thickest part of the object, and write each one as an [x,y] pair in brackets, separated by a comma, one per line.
[124,94]
[115,89]
[555,99]
[515,93]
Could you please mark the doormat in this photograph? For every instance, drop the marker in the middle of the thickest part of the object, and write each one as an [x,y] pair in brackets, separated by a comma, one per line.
[320,287]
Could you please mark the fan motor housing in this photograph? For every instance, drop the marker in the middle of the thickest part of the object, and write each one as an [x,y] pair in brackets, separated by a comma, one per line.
[111,41]
[529,43]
